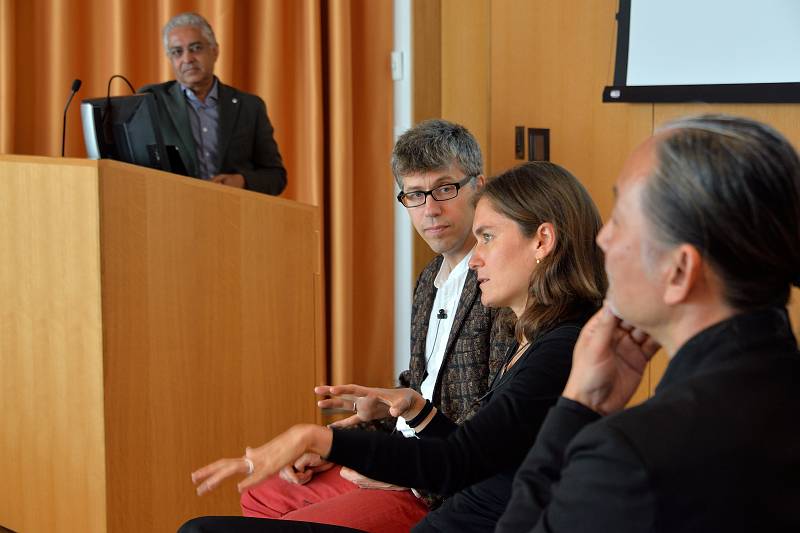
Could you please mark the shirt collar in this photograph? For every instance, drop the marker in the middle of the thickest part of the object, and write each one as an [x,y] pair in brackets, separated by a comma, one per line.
[211,99]
[445,271]
[745,334]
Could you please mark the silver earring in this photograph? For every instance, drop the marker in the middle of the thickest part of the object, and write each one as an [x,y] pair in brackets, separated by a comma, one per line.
[538,261]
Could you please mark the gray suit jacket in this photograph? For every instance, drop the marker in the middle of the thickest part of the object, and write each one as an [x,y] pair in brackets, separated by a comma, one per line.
[246,143]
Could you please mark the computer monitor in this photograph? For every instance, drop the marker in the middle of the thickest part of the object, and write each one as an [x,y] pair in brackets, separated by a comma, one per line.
[124,128]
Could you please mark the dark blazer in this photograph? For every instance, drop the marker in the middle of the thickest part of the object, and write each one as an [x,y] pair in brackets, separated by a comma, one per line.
[475,348]
[716,449]
[246,143]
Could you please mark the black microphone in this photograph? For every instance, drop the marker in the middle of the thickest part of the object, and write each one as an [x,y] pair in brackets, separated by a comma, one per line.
[76,84]
[442,314]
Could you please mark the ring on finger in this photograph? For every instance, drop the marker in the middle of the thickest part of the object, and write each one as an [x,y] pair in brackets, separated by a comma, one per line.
[250,466]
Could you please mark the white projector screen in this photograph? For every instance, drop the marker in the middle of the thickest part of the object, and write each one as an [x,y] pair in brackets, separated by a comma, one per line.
[707,50]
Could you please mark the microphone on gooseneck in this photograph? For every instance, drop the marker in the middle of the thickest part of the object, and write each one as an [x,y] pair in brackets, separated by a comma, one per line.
[76,84]
[442,314]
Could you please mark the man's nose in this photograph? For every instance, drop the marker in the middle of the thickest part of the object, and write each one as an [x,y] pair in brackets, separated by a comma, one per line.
[432,207]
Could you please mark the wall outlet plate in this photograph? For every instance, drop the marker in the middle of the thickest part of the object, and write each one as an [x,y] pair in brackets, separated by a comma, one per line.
[519,142]
[538,144]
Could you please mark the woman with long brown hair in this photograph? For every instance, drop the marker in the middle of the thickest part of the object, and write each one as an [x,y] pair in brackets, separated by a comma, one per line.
[536,254]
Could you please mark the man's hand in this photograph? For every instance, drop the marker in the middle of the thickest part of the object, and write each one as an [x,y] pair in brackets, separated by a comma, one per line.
[370,403]
[304,469]
[364,482]
[231,180]
[608,362]
[283,450]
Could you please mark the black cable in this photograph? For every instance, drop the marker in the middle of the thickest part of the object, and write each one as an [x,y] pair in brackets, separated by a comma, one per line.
[108,91]
[107,108]
[433,348]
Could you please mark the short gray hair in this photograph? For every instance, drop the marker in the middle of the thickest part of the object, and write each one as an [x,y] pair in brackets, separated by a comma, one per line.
[730,187]
[435,145]
[188,19]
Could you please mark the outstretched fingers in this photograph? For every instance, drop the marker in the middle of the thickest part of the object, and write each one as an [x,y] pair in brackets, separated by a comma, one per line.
[350,421]
[346,404]
[350,390]
[208,477]
[269,458]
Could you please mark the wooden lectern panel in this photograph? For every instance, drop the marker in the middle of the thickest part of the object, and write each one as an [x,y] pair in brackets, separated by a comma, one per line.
[149,323]
[209,333]
[51,371]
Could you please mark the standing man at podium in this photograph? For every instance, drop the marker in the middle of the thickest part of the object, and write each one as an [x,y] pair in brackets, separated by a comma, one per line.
[222,134]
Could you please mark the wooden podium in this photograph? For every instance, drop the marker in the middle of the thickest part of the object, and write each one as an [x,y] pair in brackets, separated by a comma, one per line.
[149,323]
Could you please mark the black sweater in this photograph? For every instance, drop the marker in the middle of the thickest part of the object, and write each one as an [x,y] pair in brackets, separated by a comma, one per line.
[716,449]
[482,454]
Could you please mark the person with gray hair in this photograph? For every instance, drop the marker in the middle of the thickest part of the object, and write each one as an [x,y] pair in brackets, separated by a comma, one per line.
[455,348]
[701,251]
[536,256]
[436,144]
[221,134]
[188,19]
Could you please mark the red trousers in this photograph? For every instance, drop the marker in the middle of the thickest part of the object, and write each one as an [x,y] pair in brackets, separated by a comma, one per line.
[330,499]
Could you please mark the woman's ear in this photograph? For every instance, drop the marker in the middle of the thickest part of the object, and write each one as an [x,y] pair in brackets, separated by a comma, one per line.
[545,240]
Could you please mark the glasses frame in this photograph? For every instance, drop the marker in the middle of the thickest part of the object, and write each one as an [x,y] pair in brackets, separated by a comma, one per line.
[457,185]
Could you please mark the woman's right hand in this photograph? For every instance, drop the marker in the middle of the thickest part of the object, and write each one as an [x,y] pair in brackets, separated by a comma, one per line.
[370,403]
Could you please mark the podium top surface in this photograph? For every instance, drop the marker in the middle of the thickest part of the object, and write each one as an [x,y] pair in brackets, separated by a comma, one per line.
[103,165]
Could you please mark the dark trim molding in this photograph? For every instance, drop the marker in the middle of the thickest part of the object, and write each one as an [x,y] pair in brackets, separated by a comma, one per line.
[735,93]
[623,36]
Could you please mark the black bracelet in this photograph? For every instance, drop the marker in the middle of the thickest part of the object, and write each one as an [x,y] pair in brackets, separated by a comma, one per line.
[420,418]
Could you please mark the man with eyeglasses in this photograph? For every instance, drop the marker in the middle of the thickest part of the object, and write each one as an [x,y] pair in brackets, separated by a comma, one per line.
[455,345]
[222,134]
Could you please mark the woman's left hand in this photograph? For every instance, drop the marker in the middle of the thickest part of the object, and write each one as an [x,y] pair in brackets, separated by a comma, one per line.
[284,449]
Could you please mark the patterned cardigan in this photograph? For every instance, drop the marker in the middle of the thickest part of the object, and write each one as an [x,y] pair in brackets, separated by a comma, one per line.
[475,349]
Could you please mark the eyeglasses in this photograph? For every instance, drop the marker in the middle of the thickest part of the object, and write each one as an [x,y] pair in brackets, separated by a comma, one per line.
[441,193]
[194,48]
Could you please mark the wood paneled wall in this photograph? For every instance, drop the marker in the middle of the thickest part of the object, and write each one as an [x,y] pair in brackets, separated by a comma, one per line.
[427,87]
[547,64]
[452,53]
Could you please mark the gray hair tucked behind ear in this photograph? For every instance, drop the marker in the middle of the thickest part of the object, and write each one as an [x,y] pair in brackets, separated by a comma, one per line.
[730,187]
